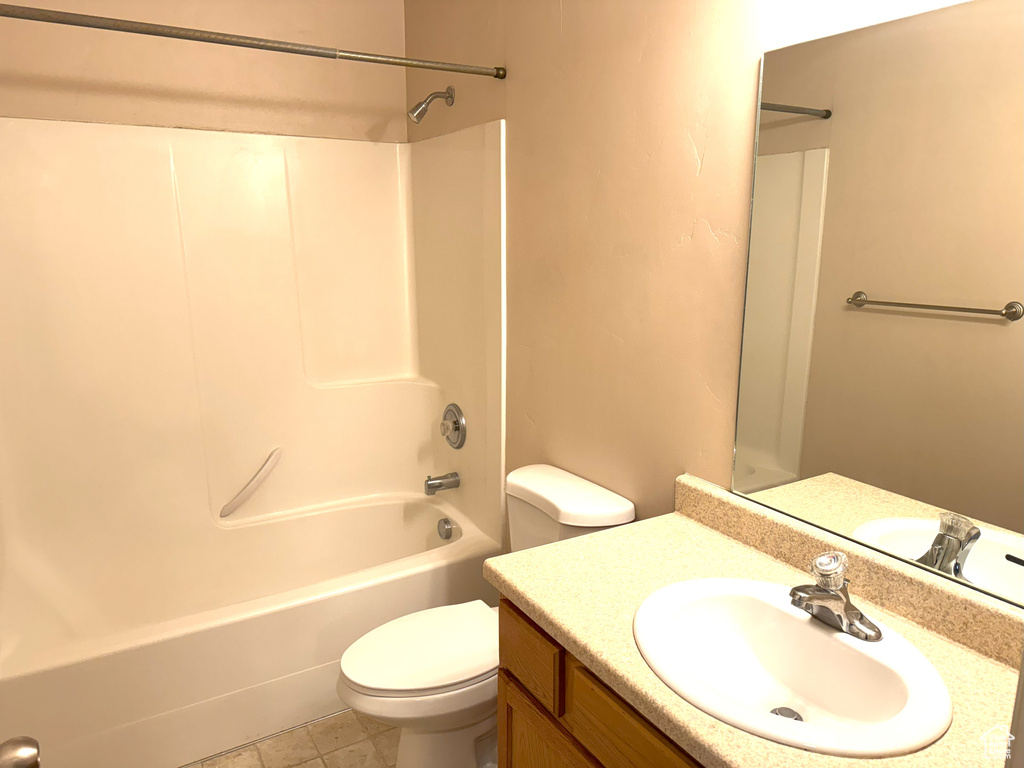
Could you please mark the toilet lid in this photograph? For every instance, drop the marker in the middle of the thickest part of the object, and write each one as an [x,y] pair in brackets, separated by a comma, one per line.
[439,648]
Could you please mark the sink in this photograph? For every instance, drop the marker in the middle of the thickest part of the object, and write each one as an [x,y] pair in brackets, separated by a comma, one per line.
[986,565]
[738,649]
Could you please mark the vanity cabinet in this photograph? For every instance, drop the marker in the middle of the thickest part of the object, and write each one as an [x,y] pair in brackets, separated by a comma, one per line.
[554,713]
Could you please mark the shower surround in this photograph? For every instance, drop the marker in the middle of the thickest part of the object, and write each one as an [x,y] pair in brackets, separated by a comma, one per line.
[175,306]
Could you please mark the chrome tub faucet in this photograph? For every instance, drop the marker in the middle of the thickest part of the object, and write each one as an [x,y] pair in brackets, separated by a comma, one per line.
[443,483]
[829,601]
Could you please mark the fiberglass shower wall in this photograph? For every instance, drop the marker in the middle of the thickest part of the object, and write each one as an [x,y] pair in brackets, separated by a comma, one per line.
[177,304]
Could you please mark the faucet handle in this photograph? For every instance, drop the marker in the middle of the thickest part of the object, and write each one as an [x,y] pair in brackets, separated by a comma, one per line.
[829,570]
[453,426]
[955,526]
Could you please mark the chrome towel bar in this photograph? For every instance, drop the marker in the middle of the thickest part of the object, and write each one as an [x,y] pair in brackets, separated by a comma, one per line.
[1012,311]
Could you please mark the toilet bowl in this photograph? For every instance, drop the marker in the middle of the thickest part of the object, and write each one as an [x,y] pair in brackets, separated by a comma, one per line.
[434,673]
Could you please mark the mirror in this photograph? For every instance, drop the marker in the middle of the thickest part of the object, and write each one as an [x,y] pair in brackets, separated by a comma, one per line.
[873,420]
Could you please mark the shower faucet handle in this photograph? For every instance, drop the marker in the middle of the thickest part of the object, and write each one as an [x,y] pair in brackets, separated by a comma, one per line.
[453,426]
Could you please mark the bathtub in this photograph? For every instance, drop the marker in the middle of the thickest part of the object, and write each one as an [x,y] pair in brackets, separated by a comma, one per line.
[106,671]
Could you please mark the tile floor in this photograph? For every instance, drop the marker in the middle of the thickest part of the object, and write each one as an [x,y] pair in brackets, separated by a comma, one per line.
[344,740]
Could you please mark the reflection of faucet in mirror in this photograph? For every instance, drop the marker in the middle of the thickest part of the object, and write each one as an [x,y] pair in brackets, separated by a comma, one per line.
[948,552]
[828,600]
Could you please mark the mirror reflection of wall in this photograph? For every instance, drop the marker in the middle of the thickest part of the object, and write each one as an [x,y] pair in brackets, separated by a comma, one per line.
[912,191]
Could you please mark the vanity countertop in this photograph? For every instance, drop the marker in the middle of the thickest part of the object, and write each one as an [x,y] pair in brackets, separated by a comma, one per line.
[841,504]
[584,592]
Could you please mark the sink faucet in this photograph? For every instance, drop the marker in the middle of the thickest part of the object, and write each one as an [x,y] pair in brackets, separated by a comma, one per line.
[948,552]
[443,483]
[829,601]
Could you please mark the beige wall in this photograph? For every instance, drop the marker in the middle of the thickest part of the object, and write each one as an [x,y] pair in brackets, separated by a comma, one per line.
[629,135]
[66,73]
[924,205]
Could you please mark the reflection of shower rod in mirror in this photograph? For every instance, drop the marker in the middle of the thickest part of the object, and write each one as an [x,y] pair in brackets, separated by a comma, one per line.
[1014,310]
[824,114]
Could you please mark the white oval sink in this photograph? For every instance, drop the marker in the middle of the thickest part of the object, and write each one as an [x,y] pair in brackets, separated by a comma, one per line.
[986,565]
[738,649]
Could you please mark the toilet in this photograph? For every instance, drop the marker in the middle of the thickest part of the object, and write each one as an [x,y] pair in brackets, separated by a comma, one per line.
[434,673]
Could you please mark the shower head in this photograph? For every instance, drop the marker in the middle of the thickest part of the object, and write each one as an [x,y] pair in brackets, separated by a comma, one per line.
[416,113]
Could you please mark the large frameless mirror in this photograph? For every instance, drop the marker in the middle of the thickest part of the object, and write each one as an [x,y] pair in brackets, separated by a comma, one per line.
[898,180]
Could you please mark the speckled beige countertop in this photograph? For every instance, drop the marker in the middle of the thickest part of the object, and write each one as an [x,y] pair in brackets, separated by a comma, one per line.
[584,592]
[841,504]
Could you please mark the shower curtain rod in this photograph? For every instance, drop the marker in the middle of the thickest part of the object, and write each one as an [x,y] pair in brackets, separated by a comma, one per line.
[241,41]
[824,114]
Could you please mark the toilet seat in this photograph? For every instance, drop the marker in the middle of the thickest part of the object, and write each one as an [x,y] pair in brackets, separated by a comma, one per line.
[427,653]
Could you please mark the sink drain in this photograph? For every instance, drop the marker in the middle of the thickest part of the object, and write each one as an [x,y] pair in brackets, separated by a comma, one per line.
[786,712]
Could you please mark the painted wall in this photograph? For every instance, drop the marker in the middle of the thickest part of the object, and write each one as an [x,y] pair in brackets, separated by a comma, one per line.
[928,405]
[65,73]
[629,161]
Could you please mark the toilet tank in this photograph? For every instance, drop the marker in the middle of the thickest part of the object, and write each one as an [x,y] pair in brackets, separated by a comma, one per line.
[547,504]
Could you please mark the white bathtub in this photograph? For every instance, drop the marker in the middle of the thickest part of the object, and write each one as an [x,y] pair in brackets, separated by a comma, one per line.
[106,668]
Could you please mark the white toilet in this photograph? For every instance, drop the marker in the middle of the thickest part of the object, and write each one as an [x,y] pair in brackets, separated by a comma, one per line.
[434,673]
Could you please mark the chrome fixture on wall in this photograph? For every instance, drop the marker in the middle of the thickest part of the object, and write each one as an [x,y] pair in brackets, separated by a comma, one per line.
[441,483]
[20,752]
[1013,310]
[453,426]
[418,112]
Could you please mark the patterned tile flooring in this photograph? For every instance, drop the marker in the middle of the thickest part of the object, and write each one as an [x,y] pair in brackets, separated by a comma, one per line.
[344,740]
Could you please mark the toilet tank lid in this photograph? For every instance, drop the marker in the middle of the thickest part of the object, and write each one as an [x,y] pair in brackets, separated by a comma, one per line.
[567,498]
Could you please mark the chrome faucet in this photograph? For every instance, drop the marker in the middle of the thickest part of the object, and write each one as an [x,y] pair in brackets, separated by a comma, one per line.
[829,601]
[443,483]
[952,544]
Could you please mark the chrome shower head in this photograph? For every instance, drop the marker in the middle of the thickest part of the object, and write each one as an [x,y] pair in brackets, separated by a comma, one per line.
[416,113]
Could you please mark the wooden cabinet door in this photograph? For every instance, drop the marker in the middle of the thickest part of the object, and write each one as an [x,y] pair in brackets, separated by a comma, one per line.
[610,729]
[528,737]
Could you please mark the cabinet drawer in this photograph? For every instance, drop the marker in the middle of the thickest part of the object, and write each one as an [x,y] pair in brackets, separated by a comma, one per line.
[616,734]
[531,656]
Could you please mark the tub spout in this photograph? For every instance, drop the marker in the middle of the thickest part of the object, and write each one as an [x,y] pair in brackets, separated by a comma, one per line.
[443,483]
